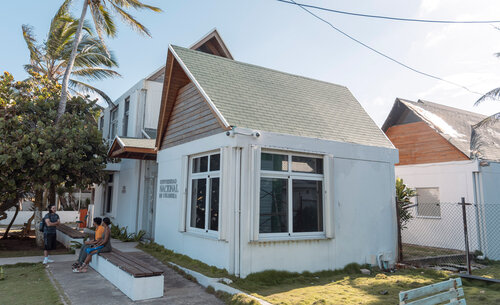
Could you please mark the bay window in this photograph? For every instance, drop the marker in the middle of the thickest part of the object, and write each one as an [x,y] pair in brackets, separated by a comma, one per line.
[204,193]
[291,195]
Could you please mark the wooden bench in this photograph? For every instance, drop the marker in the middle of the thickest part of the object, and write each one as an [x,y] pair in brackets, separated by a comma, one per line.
[435,294]
[66,235]
[137,279]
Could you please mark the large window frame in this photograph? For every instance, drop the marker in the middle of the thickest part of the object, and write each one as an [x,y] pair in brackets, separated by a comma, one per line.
[108,195]
[290,176]
[210,175]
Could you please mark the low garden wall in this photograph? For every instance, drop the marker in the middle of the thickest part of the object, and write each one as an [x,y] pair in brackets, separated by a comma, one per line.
[23,216]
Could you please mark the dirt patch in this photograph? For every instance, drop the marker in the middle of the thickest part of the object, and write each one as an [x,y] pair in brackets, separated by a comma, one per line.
[15,246]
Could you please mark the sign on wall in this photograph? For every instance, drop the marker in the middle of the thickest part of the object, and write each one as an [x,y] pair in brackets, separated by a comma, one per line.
[168,188]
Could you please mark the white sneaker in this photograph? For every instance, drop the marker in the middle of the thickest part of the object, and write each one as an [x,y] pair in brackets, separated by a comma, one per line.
[47,260]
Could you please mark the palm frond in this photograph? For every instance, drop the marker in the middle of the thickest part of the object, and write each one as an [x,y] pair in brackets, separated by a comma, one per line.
[29,38]
[86,88]
[137,5]
[64,8]
[131,21]
[492,119]
[95,73]
[493,94]
[99,20]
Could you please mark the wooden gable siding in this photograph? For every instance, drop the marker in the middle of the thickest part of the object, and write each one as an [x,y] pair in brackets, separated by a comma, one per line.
[418,143]
[191,118]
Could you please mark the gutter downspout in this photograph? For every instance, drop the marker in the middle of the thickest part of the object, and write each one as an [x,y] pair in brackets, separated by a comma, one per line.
[237,215]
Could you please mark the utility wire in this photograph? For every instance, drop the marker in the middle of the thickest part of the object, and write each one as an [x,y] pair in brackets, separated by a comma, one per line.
[387,17]
[384,55]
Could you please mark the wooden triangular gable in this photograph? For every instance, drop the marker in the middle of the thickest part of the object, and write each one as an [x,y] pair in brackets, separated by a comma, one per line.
[203,123]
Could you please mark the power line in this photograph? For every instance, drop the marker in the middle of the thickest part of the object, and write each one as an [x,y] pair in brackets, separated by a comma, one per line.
[384,55]
[387,17]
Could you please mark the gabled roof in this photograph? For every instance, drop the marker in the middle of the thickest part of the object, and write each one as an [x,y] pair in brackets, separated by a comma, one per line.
[457,126]
[211,43]
[245,95]
[133,148]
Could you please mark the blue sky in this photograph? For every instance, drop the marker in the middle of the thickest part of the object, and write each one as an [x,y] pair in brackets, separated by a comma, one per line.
[283,37]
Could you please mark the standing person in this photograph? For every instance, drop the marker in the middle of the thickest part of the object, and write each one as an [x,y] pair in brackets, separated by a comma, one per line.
[99,234]
[104,245]
[51,220]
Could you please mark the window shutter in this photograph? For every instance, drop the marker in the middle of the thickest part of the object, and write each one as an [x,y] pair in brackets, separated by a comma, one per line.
[254,191]
[329,218]
[183,187]
[227,191]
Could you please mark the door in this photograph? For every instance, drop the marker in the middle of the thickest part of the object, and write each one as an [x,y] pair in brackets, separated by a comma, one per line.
[149,206]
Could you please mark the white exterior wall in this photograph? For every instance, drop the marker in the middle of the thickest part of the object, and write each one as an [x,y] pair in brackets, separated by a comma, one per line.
[128,182]
[454,180]
[364,222]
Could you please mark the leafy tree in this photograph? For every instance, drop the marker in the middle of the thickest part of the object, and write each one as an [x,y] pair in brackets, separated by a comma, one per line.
[103,20]
[37,154]
[92,61]
[403,195]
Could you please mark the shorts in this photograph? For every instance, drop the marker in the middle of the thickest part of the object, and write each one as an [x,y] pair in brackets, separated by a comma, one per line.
[50,241]
[88,250]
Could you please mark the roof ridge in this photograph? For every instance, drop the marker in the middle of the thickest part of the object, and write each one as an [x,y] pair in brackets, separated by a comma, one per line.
[257,66]
[444,107]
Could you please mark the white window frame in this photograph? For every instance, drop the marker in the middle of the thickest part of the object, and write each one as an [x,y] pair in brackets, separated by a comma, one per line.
[110,195]
[126,109]
[290,176]
[113,122]
[416,202]
[208,175]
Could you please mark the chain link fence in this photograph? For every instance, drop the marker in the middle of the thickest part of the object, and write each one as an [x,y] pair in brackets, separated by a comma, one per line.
[438,235]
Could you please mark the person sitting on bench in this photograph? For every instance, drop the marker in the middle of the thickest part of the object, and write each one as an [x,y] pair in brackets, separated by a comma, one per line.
[99,233]
[104,245]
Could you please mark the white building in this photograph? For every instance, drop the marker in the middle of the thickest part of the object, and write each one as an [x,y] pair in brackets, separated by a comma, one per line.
[129,196]
[259,169]
[445,155]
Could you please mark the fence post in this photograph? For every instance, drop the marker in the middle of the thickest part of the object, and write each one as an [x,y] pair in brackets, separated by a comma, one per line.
[466,234]
[400,243]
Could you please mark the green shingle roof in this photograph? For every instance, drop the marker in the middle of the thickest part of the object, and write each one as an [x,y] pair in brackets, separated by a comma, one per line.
[263,99]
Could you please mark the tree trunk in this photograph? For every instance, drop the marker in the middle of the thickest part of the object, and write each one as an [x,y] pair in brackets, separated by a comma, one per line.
[38,217]
[78,37]
[11,223]
[52,195]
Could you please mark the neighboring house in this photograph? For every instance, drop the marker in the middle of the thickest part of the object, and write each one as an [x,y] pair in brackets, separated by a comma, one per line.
[260,169]
[129,195]
[445,155]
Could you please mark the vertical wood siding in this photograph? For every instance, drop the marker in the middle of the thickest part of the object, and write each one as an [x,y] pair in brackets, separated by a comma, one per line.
[191,118]
[418,143]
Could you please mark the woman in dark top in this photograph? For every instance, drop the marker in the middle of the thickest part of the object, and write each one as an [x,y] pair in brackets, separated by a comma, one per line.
[104,245]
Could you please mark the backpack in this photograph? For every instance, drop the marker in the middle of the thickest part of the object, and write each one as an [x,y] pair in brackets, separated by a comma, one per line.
[42,225]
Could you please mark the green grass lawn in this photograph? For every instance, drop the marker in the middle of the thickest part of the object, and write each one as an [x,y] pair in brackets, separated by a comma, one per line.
[27,284]
[340,287]
[345,286]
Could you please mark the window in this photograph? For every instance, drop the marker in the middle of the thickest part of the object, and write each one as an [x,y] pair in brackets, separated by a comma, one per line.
[101,123]
[125,116]
[108,195]
[113,126]
[291,194]
[428,202]
[204,190]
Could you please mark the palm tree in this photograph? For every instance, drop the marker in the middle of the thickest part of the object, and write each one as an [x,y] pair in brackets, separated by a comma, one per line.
[101,14]
[92,61]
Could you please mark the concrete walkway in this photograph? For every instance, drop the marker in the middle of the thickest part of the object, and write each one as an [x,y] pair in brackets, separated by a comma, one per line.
[92,288]
[36,259]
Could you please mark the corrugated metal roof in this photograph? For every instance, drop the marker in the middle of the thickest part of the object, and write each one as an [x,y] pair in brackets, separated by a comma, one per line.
[457,126]
[259,98]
